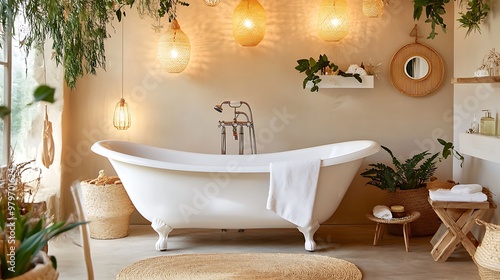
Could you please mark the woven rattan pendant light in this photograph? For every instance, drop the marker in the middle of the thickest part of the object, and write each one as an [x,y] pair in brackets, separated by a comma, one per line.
[333,20]
[212,3]
[249,23]
[174,49]
[373,8]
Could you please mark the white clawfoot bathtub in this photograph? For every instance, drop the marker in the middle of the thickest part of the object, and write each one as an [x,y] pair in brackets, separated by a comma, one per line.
[175,189]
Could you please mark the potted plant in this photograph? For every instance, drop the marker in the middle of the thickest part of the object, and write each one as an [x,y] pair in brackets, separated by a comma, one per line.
[25,229]
[311,67]
[406,183]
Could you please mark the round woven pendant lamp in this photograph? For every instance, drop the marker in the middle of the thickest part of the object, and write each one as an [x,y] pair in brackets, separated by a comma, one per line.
[174,49]
[212,3]
[249,23]
[333,20]
[373,8]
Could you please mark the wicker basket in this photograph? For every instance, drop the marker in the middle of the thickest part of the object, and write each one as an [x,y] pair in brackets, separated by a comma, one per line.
[107,207]
[415,200]
[487,256]
[44,270]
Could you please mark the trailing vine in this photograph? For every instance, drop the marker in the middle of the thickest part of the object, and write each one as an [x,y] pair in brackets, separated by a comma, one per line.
[77,28]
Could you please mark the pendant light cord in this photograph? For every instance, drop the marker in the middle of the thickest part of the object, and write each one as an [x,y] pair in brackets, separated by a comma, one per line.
[123,27]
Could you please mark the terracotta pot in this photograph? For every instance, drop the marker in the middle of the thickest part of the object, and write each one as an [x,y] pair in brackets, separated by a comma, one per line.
[415,200]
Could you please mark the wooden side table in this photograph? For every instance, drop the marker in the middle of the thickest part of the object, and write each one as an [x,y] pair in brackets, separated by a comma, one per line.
[458,218]
[405,221]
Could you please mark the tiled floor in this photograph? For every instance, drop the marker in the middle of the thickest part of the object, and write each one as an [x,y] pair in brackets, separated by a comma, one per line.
[352,243]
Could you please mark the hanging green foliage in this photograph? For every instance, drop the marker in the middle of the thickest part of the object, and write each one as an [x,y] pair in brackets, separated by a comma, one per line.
[77,28]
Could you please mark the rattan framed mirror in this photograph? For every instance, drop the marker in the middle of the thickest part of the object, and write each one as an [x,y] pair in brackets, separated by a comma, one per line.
[416,69]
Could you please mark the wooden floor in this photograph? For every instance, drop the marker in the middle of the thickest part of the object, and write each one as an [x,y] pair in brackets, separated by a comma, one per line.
[388,260]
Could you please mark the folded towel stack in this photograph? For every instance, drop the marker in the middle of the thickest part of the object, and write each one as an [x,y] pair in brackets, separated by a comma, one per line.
[382,212]
[467,189]
[449,195]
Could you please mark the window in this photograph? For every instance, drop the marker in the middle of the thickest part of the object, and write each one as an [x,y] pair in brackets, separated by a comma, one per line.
[4,95]
[17,85]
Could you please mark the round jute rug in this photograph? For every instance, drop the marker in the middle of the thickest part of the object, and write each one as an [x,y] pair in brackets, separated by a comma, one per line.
[241,266]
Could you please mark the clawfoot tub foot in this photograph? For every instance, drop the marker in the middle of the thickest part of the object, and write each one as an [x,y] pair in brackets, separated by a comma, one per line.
[163,230]
[308,233]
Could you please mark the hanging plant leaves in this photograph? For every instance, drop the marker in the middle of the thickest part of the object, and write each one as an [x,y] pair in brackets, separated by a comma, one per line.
[77,28]
[43,93]
[4,111]
[477,10]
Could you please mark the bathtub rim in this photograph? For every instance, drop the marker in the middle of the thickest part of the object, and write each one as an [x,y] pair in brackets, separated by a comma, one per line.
[231,166]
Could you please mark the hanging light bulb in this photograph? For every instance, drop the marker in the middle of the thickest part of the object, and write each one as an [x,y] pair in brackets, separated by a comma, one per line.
[249,23]
[174,49]
[212,3]
[333,20]
[121,117]
[373,8]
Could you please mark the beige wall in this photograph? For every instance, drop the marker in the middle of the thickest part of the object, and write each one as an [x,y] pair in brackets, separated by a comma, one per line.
[470,99]
[175,110]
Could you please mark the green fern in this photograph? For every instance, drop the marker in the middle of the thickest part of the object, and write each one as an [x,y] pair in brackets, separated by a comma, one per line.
[413,173]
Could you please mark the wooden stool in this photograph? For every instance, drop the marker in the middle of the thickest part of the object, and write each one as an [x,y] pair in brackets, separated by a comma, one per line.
[405,221]
[458,219]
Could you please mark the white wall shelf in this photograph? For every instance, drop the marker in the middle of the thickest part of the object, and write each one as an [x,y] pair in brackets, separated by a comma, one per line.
[334,81]
[476,80]
[480,146]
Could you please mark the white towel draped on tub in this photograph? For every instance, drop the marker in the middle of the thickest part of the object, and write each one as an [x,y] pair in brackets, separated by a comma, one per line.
[292,190]
[382,212]
[448,195]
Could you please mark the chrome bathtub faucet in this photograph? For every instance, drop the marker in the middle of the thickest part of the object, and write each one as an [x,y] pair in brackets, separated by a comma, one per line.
[235,123]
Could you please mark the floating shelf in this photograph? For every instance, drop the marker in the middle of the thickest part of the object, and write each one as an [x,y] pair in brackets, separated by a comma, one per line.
[476,80]
[480,146]
[334,81]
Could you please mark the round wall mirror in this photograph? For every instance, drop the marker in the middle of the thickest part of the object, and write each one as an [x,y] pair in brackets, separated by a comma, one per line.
[417,67]
[416,70]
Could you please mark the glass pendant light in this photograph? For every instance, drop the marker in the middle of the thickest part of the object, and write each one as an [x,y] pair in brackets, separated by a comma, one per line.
[373,8]
[212,3]
[174,49]
[333,20]
[121,117]
[249,23]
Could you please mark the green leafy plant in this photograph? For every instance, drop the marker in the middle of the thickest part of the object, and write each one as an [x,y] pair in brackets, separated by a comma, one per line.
[24,230]
[434,9]
[31,236]
[311,67]
[413,173]
[77,28]
[476,12]
[449,149]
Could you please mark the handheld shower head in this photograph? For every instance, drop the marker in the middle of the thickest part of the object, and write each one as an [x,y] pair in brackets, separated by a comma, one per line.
[218,108]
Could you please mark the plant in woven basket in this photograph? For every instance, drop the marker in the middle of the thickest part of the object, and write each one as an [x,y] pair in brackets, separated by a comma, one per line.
[25,228]
[413,173]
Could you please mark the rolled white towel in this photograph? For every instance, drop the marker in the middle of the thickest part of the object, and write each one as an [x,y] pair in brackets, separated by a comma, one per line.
[469,188]
[382,212]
